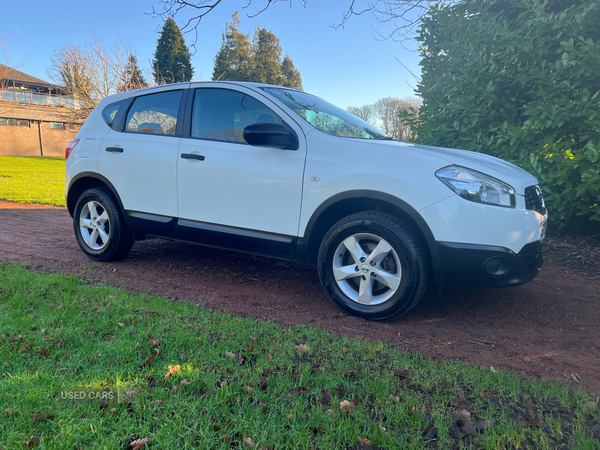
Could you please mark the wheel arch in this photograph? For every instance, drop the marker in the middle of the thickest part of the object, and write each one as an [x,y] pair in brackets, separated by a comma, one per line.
[350,202]
[86,180]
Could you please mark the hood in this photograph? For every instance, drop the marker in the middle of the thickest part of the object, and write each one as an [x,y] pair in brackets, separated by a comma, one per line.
[490,165]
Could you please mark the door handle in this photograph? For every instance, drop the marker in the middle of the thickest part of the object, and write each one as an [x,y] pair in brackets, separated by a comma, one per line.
[192,156]
[114,149]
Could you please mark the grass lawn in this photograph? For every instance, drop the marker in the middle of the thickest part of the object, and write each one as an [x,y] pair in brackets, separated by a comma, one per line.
[186,377]
[33,179]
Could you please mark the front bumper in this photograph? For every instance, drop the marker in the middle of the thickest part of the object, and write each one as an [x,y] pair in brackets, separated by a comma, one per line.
[488,265]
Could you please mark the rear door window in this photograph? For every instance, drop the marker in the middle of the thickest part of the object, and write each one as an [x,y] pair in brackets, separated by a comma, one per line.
[154,113]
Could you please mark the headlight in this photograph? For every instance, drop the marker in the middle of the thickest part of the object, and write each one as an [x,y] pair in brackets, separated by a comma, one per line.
[477,187]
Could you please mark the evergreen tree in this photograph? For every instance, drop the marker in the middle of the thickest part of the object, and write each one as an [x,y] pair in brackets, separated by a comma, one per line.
[132,77]
[266,63]
[171,63]
[291,76]
[235,56]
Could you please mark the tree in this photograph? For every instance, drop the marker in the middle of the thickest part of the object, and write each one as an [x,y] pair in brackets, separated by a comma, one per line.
[132,77]
[259,61]
[233,61]
[388,112]
[404,15]
[171,63]
[365,112]
[519,79]
[89,73]
[291,75]
[266,65]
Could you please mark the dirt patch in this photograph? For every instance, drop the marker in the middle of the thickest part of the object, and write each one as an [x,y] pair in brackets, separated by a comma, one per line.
[546,328]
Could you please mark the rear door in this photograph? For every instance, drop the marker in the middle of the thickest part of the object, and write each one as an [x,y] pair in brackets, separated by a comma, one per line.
[141,160]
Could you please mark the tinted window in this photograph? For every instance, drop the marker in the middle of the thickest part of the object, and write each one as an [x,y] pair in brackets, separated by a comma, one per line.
[110,112]
[57,126]
[222,114]
[154,113]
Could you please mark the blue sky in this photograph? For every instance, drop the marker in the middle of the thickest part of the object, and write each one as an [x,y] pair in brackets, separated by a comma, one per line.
[348,67]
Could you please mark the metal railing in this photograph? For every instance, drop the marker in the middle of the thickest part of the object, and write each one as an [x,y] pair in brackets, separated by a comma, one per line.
[31,98]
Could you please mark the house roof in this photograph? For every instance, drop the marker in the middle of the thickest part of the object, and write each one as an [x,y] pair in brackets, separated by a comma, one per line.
[16,75]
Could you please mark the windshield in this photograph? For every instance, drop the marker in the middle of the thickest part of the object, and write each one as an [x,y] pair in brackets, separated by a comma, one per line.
[326,117]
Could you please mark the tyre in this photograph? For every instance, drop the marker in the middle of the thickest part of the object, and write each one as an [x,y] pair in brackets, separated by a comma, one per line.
[100,227]
[372,265]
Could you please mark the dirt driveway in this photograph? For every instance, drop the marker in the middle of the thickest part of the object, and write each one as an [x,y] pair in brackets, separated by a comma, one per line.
[549,327]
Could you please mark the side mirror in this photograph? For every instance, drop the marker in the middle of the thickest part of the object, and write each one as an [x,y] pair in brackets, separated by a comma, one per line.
[271,134]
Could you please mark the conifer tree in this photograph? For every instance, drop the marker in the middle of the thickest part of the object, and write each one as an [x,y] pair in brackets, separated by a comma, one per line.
[266,61]
[171,63]
[132,77]
[233,60]
[291,75]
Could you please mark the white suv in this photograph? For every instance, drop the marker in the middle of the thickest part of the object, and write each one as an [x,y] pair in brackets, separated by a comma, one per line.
[279,172]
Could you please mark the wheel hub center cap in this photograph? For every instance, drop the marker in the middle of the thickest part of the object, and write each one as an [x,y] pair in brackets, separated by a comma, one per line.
[365,269]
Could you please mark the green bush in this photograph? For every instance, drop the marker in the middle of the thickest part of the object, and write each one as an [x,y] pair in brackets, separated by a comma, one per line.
[520,80]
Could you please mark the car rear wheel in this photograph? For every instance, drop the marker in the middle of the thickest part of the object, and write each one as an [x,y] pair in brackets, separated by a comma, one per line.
[372,265]
[100,227]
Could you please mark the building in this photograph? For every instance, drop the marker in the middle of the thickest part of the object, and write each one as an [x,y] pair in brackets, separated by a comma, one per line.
[35,119]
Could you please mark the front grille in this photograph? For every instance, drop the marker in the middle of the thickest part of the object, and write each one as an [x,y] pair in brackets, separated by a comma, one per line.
[534,200]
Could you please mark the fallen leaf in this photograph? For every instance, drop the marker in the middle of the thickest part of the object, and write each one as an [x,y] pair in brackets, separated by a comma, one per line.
[252,337]
[150,359]
[352,374]
[530,412]
[382,429]
[121,324]
[269,357]
[5,363]
[402,373]
[290,417]
[43,352]
[430,432]
[33,441]
[299,390]
[364,443]
[346,350]
[249,390]
[42,416]
[330,411]
[347,406]
[461,420]
[491,398]
[11,412]
[250,348]
[58,308]
[154,342]
[25,347]
[326,399]
[173,370]
[302,347]
[458,398]
[113,411]
[139,443]
[15,338]
[395,399]
[318,430]
[248,442]
[591,405]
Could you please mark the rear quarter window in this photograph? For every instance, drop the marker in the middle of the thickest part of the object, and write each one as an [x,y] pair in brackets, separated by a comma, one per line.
[110,112]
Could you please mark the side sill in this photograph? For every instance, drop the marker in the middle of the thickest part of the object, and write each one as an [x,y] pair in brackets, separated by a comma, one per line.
[236,231]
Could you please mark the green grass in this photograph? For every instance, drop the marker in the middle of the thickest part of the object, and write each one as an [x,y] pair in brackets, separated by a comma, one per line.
[243,378]
[33,180]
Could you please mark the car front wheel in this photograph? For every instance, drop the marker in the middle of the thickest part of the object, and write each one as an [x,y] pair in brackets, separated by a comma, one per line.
[372,265]
[100,228]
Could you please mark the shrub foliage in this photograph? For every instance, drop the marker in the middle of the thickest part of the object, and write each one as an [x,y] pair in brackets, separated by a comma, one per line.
[520,80]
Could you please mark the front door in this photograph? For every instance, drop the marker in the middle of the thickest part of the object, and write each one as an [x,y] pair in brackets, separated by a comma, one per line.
[230,185]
